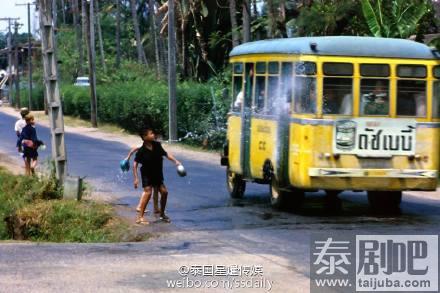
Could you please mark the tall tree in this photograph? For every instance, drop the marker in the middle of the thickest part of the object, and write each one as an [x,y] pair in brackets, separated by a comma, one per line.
[140,50]
[101,45]
[92,70]
[118,33]
[84,21]
[77,25]
[64,9]
[151,8]
[246,21]
[271,19]
[234,26]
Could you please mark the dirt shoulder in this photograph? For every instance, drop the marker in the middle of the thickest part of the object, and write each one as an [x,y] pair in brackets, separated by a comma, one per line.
[118,135]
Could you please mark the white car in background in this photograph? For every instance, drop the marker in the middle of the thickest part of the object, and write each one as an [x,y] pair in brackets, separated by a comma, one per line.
[82,81]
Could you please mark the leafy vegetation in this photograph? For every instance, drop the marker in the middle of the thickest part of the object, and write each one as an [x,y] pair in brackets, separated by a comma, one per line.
[30,209]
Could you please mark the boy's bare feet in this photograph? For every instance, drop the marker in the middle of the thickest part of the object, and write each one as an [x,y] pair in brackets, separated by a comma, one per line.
[141,220]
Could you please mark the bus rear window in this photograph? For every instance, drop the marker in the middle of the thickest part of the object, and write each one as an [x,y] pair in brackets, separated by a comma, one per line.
[414,71]
[337,69]
[379,70]
[411,98]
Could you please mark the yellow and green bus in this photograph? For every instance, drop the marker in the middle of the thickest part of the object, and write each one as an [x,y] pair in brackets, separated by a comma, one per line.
[334,113]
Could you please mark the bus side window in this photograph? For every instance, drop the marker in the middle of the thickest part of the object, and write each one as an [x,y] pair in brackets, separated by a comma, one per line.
[436,93]
[375,97]
[260,94]
[274,101]
[411,98]
[436,100]
[305,95]
[237,93]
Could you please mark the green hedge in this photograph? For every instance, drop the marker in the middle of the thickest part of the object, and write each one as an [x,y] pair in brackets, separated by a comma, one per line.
[37,103]
[201,109]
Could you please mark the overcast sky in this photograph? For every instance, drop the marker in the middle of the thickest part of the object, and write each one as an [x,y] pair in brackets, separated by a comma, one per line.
[8,9]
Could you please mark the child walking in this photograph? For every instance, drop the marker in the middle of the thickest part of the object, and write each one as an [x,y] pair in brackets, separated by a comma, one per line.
[30,142]
[150,156]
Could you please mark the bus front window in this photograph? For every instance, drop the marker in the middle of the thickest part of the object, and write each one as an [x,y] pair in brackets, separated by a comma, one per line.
[337,97]
[411,98]
[375,97]
[436,100]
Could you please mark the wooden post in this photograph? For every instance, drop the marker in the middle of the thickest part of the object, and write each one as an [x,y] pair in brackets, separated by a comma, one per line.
[172,103]
[16,66]
[52,92]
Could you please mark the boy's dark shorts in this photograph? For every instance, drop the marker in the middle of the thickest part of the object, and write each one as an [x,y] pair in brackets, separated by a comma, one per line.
[149,181]
[30,153]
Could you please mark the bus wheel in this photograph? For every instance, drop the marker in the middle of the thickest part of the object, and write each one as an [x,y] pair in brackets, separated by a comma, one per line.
[332,202]
[385,200]
[287,200]
[235,184]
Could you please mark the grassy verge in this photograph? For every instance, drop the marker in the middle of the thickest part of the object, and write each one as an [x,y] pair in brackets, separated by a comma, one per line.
[30,209]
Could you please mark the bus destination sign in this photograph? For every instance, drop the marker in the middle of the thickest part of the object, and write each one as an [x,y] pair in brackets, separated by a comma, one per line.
[374,137]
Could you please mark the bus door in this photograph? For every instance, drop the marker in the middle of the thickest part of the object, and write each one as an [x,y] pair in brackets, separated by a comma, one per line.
[246,119]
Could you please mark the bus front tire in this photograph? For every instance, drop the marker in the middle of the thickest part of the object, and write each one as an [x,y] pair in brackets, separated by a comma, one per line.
[235,184]
[287,200]
[385,200]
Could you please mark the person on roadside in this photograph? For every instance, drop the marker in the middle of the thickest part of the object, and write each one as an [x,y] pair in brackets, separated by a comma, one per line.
[30,142]
[150,156]
[19,125]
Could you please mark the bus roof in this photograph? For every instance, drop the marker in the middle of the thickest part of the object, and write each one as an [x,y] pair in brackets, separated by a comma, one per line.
[340,46]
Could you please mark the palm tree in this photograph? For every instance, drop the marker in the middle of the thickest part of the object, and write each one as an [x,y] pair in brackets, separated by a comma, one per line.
[400,20]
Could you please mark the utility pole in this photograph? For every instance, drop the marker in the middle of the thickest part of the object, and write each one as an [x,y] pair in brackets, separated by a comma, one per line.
[172,104]
[29,53]
[56,120]
[9,43]
[16,66]
[92,66]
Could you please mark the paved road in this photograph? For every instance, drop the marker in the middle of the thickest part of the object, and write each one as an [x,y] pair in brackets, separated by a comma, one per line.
[208,229]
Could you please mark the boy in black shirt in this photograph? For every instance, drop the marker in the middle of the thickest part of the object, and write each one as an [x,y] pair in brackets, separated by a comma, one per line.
[150,157]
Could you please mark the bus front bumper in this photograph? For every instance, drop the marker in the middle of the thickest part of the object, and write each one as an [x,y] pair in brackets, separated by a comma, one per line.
[372,179]
[381,173]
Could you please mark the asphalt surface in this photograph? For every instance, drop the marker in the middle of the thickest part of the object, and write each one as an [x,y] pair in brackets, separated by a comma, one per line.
[208,228]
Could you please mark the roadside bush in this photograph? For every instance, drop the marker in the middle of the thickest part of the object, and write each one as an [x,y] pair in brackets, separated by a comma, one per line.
[134,103]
